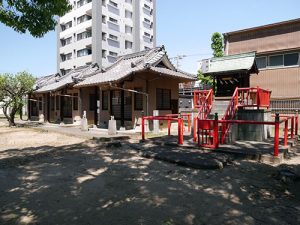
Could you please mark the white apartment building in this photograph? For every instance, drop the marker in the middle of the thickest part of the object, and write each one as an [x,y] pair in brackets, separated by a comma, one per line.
[98,31]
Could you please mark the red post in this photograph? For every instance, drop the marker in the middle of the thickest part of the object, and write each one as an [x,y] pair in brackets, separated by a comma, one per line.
[286,131]
[189,122]
[180,142]
[292,127]
[143,128]
[216,132]
[169,127]
[195,129]
[276,136]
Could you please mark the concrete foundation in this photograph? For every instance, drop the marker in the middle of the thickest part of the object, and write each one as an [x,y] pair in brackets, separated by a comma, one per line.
[251,132]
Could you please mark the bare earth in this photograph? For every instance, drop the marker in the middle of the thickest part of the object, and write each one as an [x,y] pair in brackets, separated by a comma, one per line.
[50,178]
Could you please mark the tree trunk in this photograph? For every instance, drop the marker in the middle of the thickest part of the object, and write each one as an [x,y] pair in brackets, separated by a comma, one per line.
[12,117]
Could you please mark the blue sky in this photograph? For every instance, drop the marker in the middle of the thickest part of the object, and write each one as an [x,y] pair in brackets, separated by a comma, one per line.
[184,27]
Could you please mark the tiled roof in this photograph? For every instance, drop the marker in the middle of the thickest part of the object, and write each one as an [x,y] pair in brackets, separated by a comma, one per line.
[126,65]
[231,63]
[74,76]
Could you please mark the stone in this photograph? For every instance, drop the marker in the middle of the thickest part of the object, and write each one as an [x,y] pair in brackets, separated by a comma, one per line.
[155,122]
[112,126]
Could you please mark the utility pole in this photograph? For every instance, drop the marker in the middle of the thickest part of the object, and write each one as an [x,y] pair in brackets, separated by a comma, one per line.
[177,59]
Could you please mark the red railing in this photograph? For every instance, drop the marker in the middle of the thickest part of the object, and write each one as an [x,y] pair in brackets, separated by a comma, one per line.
[208,130]
[203,101]
[244,97]
[179,120]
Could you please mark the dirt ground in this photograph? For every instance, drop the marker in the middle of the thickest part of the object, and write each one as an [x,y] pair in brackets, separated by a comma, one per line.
[50,178]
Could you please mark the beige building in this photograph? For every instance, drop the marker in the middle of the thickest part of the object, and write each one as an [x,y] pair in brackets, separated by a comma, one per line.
[135,85]
[277,48]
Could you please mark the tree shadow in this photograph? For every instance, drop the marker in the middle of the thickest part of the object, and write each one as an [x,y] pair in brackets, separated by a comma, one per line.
[90,183]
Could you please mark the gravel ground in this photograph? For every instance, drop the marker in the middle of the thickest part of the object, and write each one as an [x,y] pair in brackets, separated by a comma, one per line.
[50,178]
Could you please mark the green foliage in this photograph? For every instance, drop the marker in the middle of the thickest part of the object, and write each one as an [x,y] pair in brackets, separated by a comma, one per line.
[217,44]
[13,89]
[35,16]
[204,79]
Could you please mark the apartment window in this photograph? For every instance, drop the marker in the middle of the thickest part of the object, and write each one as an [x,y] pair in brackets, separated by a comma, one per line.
[113,3]
[66,57]
[138,99]
[147,34]
[75,101]
[66,26]
[114,54]
[105,100]
[84,35]
[146,20]
[84,52]
[83,18]
[82,2]
[103,54]
[128,29]
[103,19]
[291,59]
[128,45]
[103,36]
[163,99]
[40,103]
[57,102]
[113,20]
[128,14]
[66,41]
[261,62]
[92,102]
[147,6]
[113,37]
[275,60]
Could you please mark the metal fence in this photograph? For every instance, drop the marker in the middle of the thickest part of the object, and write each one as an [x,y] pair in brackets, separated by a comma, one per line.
[288,106]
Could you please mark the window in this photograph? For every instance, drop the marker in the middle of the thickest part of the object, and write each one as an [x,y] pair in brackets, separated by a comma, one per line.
[92,101]
[128,14]
[114,54]
[147,7]
[113,20]
[75,101]
[163,99]
[40,103]
[57,102]
[138,99]
[82,2]
[66,41]
[146,20]
[103,53]
[113,3]
[66,57]
[66,26]
[113,37]
[103,19]
[83,18]
[147,34]
[84,52]
[261,62]
[103,36]
[291,59]
[128,45]
[128,29]
[275,60]
[105,100]
[84,35]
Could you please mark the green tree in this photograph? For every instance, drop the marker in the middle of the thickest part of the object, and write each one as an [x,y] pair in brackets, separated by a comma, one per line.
[35,16]
[13,89]
[205,79]
[217,44]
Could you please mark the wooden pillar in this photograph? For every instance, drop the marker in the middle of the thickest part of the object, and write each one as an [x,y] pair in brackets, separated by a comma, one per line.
[122,108]
[95,110]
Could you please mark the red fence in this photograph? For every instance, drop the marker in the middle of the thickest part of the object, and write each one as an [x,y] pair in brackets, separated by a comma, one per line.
[208,135]
[179,118]
[245,97]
